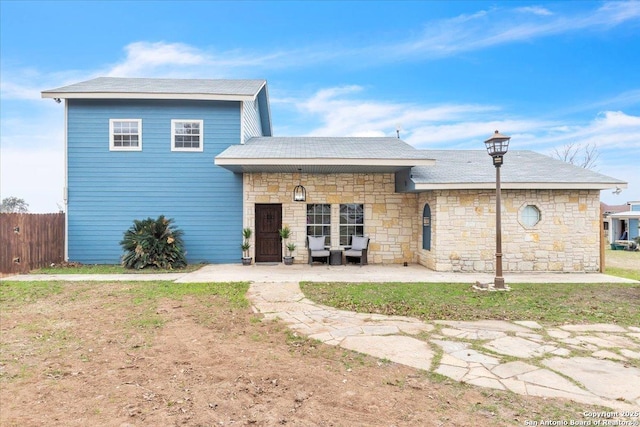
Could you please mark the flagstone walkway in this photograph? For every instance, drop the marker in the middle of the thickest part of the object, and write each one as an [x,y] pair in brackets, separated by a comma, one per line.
[584,363]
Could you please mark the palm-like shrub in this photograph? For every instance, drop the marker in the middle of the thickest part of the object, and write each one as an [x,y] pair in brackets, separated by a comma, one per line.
[153,243]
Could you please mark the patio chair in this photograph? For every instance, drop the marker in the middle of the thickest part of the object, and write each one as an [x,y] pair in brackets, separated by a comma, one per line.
[358,249]
[317,249]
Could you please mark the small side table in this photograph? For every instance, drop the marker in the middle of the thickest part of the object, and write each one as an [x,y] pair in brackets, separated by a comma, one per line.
[335,257]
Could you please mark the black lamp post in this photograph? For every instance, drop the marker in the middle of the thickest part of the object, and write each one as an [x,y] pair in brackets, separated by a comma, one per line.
[497,147]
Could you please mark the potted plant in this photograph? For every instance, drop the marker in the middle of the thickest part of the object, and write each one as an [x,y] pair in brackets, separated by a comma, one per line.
[288,260]
[246,245]
[285,233]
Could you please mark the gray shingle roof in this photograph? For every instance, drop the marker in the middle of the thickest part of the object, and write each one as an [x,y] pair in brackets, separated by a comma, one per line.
[321,155]
[119,86]
[520,167]
[324,148]
[452,168]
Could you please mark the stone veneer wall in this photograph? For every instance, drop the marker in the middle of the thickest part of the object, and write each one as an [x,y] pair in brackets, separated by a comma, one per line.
[389,218]
[463,230]
[463,222]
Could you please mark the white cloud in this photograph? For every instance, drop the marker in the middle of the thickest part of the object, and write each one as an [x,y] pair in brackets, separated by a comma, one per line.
[439,38]
[616,12]
[143,58]
[341,112]
[608,130]
[19,90]
[345,111]
[32,156]
[26,84]
[536,10]
[501,26]
[180,60]
[37,176]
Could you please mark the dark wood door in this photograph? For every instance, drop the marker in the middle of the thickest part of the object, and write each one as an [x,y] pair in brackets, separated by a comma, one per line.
[268,222]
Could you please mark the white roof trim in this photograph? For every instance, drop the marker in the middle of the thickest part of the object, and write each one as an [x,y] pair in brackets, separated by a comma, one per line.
[625,215]
[147,95]
[317,161]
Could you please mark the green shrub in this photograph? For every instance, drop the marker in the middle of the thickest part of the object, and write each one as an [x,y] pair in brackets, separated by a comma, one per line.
[153,243]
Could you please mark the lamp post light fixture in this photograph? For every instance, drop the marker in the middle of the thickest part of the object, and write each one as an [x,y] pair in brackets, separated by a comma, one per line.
[497,147]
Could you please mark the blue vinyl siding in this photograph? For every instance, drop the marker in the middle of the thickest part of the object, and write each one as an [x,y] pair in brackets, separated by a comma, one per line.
[265,114]
[251,120]
[107,190]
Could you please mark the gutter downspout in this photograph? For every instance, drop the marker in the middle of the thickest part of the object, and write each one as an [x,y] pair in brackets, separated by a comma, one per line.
[66,182]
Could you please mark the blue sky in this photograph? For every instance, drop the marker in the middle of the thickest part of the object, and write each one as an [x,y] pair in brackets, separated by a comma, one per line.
[448,73]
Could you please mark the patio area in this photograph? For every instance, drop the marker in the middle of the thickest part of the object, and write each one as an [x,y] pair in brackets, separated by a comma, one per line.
[374,273]
[280,273]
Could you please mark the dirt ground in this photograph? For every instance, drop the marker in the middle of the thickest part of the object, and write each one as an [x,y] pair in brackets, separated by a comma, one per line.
[91,355]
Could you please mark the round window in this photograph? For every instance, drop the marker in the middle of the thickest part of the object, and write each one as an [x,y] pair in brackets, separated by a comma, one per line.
[530,216]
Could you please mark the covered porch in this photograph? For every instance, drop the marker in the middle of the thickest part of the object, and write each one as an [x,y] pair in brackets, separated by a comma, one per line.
[348,188]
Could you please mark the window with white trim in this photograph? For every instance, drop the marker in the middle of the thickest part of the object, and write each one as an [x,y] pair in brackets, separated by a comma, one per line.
[187,135]
[351,222]
[530,216]
[125,134]
[319,220]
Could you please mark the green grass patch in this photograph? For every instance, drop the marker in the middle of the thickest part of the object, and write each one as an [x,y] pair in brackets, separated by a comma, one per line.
[231,292]
[149,319]
[623,272]
[75,268]
[549,304]
[20,293]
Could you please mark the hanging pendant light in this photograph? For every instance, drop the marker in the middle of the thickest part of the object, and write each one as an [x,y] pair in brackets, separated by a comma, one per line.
[299,192]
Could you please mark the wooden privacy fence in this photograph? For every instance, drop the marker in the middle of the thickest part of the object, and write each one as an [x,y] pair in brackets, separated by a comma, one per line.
[29,241]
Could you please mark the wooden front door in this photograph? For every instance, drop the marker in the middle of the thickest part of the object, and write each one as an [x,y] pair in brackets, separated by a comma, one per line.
[268,222]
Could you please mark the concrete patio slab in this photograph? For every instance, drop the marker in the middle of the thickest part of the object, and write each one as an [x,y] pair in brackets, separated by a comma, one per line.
[279,273]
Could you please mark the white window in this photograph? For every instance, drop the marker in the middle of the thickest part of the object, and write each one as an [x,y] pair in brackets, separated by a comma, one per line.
[319,220]
[187,135]
[125,134]
[530,216]
[351,222]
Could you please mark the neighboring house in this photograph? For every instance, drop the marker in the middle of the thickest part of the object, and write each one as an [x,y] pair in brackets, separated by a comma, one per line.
[202,152]
[621,222]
